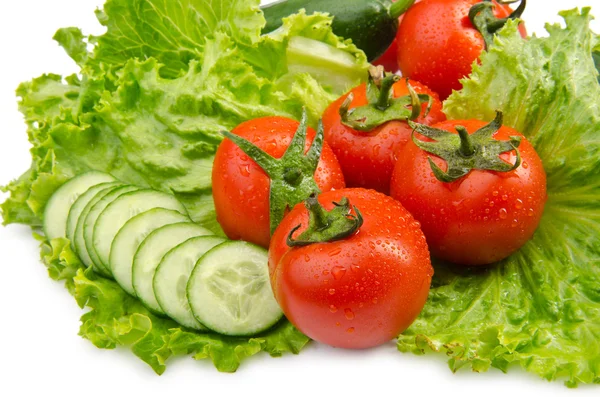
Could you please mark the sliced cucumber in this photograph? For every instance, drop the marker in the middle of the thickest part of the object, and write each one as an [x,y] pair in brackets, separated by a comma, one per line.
[129,238]
[123,209]
[80,204]
[229,290]
[57,209]
[90,222]
[172,275]
[151,253]
[79,239]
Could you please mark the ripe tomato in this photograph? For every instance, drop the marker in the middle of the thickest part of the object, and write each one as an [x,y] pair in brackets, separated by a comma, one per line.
[358,292]
[437,43]
[241,187]
[482,217]
[368,158]
[389,60]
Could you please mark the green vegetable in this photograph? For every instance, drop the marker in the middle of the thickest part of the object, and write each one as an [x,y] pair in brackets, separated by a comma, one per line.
[117,319]
[371,24]
[147,107]
[539,309]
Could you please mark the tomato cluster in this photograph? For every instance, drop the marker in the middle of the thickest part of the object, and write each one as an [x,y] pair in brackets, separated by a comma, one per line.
[351,267]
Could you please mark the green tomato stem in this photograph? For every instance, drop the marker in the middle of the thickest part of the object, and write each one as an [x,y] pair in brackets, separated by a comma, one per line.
[400,7]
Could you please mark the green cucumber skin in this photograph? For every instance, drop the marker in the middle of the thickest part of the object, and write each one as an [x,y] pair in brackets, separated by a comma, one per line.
[367,22]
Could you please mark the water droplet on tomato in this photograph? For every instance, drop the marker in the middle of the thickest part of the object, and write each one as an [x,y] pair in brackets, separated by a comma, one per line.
[331,291]
[245,170]
[350,330]
[306,258]
[503,213]
[335,251]
[519,204]
[514,223]
[495,193]
[504,197]
[349,314]
[325,272]
[338,272]
[355,268]
[333,309]
[530,212]
[525,164]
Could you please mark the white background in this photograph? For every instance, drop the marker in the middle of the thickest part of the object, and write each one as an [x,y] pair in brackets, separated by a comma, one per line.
[40,350]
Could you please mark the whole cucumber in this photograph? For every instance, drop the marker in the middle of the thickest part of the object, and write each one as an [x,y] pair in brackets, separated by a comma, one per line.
[371,24]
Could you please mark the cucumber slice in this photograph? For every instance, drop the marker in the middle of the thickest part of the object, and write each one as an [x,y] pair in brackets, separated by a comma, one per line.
[90,222]
[129,238]
[79,239]
[151,253]
[123,209]
[57,209]
[229,290]
[80,204]
[172,275]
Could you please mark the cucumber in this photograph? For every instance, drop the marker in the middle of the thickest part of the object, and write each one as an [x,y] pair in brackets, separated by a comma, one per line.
[371,24]
[122,209]
[229,290]
[151,253]
[80,204]
[172,275]
[57,208]
[90,222]
[79,239]
[129,238]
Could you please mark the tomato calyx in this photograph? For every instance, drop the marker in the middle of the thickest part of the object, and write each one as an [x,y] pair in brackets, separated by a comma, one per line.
[382,107]
[327,226]
[483,18]
[292,175]
[464,152]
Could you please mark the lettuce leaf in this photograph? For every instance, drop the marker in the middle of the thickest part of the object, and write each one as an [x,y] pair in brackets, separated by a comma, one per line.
[148,106]
[152,118]
[539,309]
[116,319]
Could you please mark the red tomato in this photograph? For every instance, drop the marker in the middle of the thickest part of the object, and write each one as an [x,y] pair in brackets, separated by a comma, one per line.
[368,158]
[389,60]
[437,43]
[481,218]
[358,292]
[241,187]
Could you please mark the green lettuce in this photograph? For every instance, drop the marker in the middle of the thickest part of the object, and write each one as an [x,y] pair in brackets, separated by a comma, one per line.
[148,105]
[540,308]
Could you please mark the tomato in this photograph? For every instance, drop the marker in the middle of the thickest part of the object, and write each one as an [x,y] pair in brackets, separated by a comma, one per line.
[358,292]
[241,187]
[389,60]
[437,43]
[482,217]
[368,158]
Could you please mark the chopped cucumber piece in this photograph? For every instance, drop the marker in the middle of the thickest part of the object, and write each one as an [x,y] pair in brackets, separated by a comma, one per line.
[79,238]
[172,275]
[80,204]
[90,223]
[151,253]
[229,290]
[57,209]
[129,238]
[123,209]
